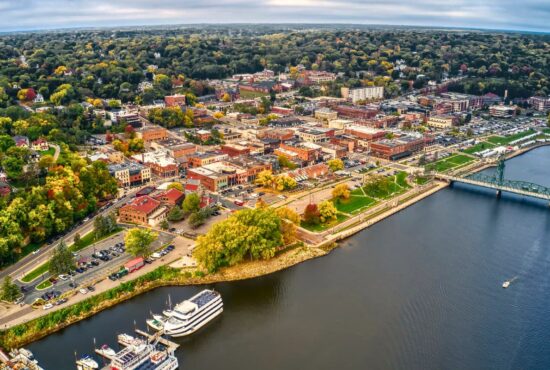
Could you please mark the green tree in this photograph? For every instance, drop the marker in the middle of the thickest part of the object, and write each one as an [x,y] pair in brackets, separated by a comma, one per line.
[175,214]
[191,203]
[252,233]
[311,214]
[62,260]
[197,219]
[138,241]
[164,225]
[10,291]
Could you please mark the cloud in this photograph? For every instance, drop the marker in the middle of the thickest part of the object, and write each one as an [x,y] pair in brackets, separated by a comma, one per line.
[531,15]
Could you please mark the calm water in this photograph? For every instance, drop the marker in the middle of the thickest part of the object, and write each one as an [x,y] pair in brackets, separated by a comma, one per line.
[420,290]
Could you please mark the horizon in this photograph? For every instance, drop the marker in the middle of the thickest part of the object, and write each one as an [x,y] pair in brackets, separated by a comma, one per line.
[52,15]
[302,25]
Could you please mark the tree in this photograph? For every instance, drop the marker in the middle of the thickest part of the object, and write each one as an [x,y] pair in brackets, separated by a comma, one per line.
[253,233]
[327,211]
[197,219]
[335,165]
[311,214]
[289,221]
[191,203]
[10,291]
[265,178]
[138,241]
[175,214]
[164,225]
[284,162]
[62,260]
[76,238]
[104,225]
[341,191]
[285,182]
[176,185]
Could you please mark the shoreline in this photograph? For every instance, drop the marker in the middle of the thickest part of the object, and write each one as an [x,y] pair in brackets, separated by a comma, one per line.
[246,270]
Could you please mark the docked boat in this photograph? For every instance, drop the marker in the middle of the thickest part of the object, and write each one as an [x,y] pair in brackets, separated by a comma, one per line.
[157,322]
[19,359]
[87,363]
[106,351]
[144,356]
[192,314]
[128,340]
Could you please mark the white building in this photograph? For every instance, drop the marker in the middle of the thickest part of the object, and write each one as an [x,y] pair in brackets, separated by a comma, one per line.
[363,93]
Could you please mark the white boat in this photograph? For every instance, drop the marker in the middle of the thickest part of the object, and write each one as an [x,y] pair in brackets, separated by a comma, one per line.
[155,324]
[192,314]
[167,313]
[506,284]
[106,351]
[128,340]
[144,356]
[87,363]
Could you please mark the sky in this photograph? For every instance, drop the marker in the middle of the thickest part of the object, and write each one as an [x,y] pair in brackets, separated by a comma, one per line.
[527,15]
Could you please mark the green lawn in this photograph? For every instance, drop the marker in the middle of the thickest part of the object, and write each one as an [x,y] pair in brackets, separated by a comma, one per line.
[44,285]
[448,163]
[479,147]
[504,140]
[354,203]
[420,180]
[90,239]
[50,151]
[546,130]
[401,180]
[33,274]
[321,227]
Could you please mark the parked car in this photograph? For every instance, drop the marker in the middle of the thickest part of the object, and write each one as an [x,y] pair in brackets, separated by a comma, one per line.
[61,301]
[83,291]
[91,289]
[47,306]
[63,277]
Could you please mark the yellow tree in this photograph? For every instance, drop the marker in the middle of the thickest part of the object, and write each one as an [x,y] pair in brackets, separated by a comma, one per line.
[335,165]
[341,191]
[327,211]
[265,179]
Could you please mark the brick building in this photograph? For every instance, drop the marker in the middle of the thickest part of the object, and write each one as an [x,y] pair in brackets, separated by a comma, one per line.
[152,133]
[174,100]
[144,210]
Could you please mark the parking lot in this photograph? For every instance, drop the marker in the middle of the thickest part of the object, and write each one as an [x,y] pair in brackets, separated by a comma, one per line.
[91,268]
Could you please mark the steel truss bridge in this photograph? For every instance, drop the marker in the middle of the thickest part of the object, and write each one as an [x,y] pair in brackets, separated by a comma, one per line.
[500,184]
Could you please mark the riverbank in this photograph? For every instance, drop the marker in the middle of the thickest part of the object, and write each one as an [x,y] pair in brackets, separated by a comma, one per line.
[38,328]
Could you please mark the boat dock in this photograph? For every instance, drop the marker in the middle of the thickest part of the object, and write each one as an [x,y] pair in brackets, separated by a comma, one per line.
[151,338]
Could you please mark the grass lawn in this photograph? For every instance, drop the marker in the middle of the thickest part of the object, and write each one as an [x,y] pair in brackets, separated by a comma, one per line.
[479,147]
[450,162]
[44,285]
[504,140]
[50,151]
[401,180]
[90,239]
[353,204]
[251,94]
[420,180]
[33,274]
[321,227]
[546,130]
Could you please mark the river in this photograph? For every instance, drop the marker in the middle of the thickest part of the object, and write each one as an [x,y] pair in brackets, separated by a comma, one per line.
[420,290]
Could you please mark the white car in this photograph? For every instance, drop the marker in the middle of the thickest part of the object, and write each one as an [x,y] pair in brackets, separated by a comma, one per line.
[47,306]
[83,291]
[36,251]
[63,277]
[156,255]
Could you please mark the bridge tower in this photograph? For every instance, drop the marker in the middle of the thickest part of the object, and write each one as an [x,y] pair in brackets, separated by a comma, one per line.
[500,173]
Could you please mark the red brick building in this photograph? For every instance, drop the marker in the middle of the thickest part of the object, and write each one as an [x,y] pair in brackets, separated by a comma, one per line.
[234,150]
[139,210]
[355,112]
[171,197]
[174,100]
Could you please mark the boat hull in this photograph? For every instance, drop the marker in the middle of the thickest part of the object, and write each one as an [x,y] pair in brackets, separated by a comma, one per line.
[184,331]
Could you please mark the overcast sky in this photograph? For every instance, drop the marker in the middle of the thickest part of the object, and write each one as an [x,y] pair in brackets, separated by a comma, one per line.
[531,15]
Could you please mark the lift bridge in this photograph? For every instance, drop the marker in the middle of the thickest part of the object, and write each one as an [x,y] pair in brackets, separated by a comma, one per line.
[500,184]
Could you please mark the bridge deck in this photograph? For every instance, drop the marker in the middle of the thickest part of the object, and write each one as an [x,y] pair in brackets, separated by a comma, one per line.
[510,186]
